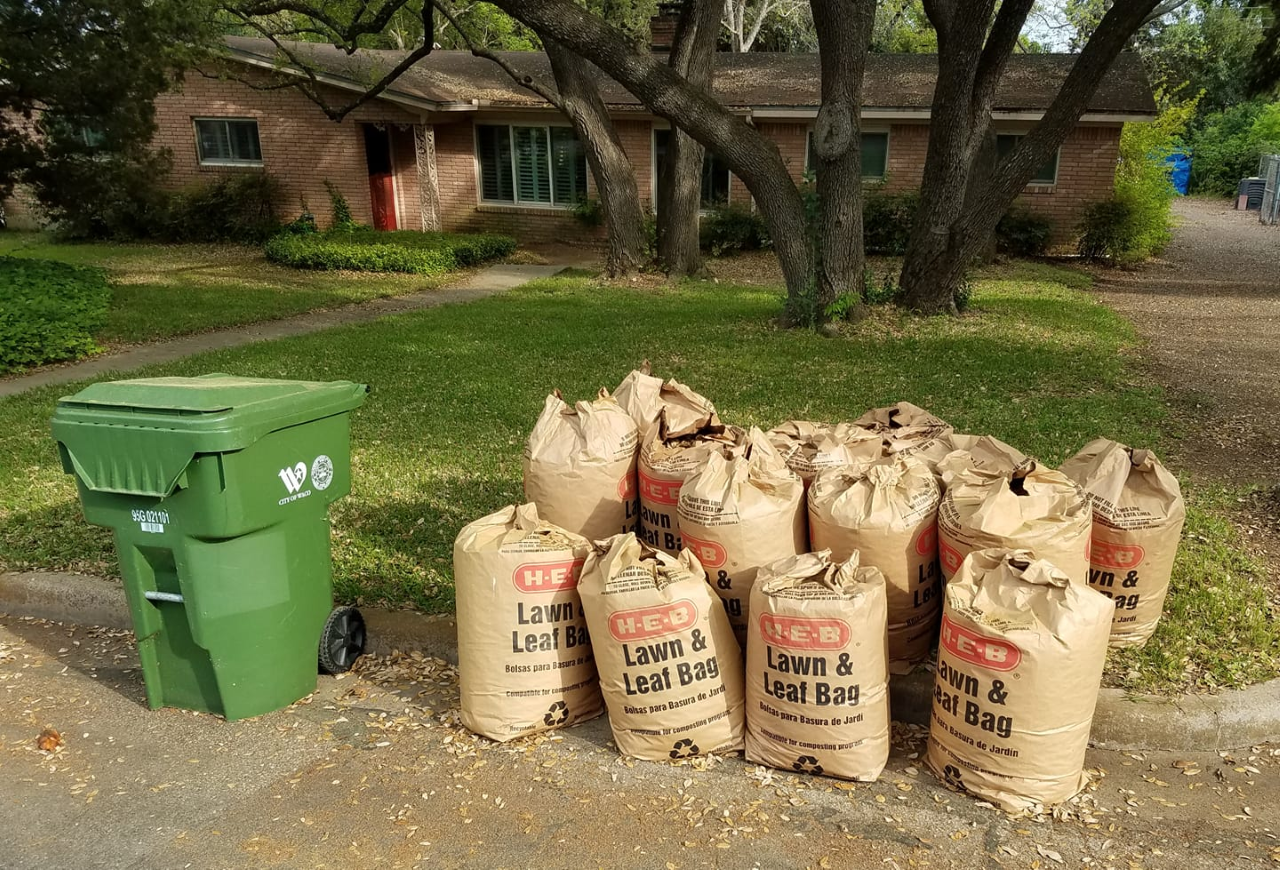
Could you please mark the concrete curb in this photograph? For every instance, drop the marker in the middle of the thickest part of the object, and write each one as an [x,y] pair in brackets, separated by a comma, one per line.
[1230,720]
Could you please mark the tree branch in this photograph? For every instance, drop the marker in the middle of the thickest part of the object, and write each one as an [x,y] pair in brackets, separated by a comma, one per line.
[1164,9]
[311,87]
[939,13]
[766,6]
[528,82]
[1072,100]
[1001,42]
[347,34]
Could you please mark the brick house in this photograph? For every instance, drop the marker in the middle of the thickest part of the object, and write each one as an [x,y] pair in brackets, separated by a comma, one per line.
[455,144]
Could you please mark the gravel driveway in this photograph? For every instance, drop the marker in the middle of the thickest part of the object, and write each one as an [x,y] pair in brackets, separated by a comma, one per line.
[1210,311]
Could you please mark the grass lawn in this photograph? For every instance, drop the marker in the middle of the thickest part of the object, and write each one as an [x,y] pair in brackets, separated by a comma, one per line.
[159,291]
[1039,364]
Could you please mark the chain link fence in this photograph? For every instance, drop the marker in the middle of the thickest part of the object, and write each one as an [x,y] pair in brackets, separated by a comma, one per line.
[1269,171]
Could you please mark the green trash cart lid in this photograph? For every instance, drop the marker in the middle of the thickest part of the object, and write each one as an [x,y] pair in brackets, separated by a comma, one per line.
[152,427]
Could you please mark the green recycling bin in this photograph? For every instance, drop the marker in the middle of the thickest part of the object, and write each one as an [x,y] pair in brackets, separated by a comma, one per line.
[218,489]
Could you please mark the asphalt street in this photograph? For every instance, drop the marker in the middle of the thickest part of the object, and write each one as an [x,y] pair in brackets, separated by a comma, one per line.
[374,771]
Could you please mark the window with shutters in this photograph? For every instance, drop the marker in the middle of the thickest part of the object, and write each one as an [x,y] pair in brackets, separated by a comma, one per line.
[1047,174]
[715,173]
[875,155]
[228,142]
[521,165]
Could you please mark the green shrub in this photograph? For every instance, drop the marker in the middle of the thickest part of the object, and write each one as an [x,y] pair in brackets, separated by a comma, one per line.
[1227,145]
[887,219]
[884,291]
[234,208]
[1137,221]
[1023,233]
[1107,231]
[340,217]
[48,311]
[364,250]
[104,197]
[589,212]
[733,228]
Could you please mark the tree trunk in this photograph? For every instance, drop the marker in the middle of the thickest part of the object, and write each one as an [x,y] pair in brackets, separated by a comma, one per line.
[613,172]
[752,158]
[960,207]
[680,182]
[680,206]
[844,32]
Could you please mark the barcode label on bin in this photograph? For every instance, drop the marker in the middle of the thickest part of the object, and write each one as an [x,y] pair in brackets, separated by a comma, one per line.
[152,521]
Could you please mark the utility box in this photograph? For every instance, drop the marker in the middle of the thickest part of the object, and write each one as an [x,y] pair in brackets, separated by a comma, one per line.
[218,489]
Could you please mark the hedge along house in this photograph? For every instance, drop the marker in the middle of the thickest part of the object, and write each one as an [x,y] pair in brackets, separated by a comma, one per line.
[456,144]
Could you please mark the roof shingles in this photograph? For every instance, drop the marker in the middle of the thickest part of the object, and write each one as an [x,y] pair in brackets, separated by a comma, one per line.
[751,80]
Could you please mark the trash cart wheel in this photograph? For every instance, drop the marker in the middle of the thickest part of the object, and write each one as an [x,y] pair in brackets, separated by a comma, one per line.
[342,641]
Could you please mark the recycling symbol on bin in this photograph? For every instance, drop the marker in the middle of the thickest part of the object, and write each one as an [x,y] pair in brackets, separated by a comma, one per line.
[807,764]
[951,774]
[557,715]
[684,749]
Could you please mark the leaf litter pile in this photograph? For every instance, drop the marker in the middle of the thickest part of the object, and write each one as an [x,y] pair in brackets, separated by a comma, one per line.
[788,804]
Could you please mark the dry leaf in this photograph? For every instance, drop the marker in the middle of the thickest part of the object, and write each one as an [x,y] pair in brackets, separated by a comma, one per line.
[49,740]
[1049,853]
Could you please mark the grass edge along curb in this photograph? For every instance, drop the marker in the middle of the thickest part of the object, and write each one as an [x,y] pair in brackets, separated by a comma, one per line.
[404,251]
[1232,719]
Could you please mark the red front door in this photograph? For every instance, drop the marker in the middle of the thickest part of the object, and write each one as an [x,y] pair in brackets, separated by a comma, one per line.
[382,186]
[382,194]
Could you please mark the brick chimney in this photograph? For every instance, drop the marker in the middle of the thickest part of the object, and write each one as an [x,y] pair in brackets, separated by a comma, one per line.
[662,27]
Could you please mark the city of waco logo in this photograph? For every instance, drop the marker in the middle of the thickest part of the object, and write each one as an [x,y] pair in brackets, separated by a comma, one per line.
[709,553]
[797,632]
[547,576]
[978,649]
[646,622]
[659,491]
[1122,557]
[294,478]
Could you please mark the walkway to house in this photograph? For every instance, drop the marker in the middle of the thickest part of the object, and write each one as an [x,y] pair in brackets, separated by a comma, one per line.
[487,282]
[1210,312]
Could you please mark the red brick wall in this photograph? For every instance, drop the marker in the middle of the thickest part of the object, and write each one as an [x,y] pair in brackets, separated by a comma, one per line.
[1086,174]
[300,146]
[21,210]
[908,144]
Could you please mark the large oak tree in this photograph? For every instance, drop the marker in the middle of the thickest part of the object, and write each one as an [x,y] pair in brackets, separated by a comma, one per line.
[960,202]
[965,189]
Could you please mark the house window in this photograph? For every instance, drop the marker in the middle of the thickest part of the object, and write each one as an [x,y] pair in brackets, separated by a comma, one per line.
[228,141]
[531,165]
[875,155]
[715,173]
[1047,174]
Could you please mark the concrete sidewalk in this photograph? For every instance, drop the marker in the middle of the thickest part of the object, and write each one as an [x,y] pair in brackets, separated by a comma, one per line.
[486,282]
[373,771]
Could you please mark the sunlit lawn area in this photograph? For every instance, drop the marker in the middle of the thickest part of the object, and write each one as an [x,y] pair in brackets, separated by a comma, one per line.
[160,291]
[1038,362]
